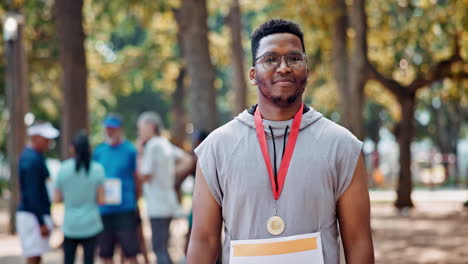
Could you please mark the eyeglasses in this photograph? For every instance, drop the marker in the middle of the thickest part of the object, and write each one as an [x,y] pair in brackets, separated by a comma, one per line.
[271,61]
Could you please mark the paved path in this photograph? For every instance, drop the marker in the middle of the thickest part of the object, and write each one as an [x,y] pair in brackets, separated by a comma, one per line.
[436,231]
[458,195]
[433,232]
[10,251]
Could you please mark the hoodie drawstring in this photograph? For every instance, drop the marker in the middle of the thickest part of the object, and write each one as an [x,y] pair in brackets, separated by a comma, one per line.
[284,141]
[274,151]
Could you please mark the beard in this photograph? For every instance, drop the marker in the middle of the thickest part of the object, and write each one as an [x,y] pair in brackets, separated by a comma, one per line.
[281,101]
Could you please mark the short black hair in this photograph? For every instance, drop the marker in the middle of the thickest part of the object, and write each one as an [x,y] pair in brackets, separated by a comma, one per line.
[274,26]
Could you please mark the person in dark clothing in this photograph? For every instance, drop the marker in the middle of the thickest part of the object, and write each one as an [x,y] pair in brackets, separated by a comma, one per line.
[33,215]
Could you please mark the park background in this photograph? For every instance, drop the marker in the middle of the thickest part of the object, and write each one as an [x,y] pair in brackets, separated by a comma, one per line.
[393,72]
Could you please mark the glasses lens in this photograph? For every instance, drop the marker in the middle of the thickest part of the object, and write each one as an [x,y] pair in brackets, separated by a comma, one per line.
[271,61]
[295,59]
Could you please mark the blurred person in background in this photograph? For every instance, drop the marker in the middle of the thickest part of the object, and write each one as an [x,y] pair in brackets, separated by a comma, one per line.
[33,221]
[118,157]
[182,174]
[79,185]
[158,158]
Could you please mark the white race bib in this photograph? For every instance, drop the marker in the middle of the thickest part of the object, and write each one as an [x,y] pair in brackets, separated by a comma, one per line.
[113,191]
[300,249]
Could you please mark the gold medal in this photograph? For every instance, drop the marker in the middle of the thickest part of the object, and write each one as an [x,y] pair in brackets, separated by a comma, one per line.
[276,225]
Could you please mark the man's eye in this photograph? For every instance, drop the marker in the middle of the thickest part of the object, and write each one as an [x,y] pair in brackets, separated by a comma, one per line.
[271,60]
[295,59]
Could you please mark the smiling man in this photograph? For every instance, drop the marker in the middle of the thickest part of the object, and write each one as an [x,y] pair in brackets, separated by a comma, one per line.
[280,176]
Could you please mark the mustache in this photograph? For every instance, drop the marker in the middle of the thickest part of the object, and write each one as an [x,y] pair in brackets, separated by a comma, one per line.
[284,79]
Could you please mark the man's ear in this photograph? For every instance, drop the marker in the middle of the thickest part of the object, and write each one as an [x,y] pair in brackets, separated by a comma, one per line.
[252,74]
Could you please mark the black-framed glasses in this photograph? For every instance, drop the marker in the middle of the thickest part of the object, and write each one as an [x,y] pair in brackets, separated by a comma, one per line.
[271,61]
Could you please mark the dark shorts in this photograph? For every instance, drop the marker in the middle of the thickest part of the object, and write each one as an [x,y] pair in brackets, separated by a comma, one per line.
[119,228]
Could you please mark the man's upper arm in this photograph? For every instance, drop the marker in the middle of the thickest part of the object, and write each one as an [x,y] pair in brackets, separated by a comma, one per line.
[207,219]
[354,215]
[177,152]
[100,195]
[206,210]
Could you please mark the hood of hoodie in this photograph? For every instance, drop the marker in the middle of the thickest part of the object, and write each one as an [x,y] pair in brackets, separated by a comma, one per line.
[279,128]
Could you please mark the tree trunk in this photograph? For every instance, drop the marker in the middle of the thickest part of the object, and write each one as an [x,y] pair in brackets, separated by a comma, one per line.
[179,120]
[340,61]
[202,93]
[456,169]
[179,113]
[351,70]
[406,96]
[357,83]
[17,97]
[69,19]
[456,172]
[448,126]
[357,68]
[404,135]
[239,85]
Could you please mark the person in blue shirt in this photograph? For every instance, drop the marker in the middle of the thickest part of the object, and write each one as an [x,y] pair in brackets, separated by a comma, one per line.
[118,157]
[79,185]
[33,221]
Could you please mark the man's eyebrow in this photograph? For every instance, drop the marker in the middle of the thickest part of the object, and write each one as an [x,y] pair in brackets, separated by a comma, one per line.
[268,53]
[276,53]
[265,54]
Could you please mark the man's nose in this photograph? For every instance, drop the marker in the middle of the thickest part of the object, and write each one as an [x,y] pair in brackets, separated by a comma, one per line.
[283,67]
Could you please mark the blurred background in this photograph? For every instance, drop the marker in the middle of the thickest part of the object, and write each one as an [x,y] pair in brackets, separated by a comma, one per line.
[393,72]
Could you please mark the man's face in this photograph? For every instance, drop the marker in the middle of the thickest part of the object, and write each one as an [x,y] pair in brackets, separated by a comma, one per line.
[284,85]
[145,130]
[40,143]
[113,135]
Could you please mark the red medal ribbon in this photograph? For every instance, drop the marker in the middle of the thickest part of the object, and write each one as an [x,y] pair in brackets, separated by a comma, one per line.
[283,170]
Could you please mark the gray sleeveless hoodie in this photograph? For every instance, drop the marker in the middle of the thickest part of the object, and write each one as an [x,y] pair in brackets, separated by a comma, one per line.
[320,171]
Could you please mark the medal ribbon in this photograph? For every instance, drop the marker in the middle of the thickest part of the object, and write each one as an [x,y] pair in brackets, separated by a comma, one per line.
[283,170]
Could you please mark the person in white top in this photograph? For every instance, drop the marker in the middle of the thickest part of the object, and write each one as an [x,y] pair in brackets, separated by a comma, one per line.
[157,169]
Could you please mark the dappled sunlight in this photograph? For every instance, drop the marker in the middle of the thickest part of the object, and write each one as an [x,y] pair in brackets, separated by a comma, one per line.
[434,232]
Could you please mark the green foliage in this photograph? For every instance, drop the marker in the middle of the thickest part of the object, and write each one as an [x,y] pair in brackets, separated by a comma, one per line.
[42,64]
[133,57]
[419,32]
[440,109]
[376,116]
[137,102]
